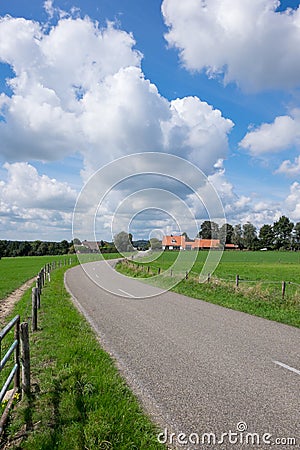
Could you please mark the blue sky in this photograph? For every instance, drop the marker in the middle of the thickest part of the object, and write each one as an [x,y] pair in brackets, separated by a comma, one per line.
[84,83]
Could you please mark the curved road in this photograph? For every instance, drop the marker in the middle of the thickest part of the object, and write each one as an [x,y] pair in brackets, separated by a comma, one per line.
[196,367]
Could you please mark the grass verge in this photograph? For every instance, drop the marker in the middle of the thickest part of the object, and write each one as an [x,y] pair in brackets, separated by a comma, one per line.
[79,400]
[252,300]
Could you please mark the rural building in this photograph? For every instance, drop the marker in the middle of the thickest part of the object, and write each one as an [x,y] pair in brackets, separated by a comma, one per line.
[180,243]
[93,246]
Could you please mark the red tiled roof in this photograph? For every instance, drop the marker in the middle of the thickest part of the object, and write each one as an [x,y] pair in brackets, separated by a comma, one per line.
[179,241]
[173,241]
[208,243]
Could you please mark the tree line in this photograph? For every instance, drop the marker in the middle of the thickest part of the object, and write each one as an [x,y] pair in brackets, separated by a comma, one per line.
[282,235]
[35,248]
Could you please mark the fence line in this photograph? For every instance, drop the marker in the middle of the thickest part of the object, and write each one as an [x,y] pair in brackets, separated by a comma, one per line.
[184,274]
[14,374]
[20,372]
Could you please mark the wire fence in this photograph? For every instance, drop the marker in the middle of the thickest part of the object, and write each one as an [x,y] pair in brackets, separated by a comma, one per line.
[19,373]
[45,275]
[237,281]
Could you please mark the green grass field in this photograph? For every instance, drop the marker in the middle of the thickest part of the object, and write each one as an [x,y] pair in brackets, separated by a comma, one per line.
[16,271]
[260,288]
[256,266]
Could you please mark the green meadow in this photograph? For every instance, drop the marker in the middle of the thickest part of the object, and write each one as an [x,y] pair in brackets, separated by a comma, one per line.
[260,281]
[16,271]
[255,266]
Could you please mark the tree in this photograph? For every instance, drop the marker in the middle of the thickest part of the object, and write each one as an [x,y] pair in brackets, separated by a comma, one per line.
[35,246]
[24,248]
[209,230]
[226,233]
[249,236]
[186,236]
[237,236]
[122,242]
[283,233]
[266,236]
[2,248]
[72,249]
[155,244]
[296,236]
[42,249]
[64,247]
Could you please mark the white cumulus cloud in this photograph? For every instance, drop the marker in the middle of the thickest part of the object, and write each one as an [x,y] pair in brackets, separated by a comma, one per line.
[53,71]
[25,188]
[34,206]
[80,88]
[293,202]
[275,137]
[247,42]
[290,169]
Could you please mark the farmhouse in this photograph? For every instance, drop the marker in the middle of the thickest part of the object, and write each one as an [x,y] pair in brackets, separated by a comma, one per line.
[180,243]
[92,246]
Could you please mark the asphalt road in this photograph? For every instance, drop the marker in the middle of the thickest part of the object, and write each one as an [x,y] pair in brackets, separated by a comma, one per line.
[196,367]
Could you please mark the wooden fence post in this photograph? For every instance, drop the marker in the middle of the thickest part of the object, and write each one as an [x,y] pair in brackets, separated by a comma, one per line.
[158,271]
[17,356]
[208,277]
[34,309]
[38,291]
[41,275]
[25,358]
[186,275]
[283,286]
[237,279]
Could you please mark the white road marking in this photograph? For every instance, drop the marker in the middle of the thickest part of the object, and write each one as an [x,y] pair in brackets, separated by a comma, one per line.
[127,293]
[287,367]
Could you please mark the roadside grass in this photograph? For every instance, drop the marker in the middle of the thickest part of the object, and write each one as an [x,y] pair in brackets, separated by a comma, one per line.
[79,400]
[252,300]
[262,297]
[16,271]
